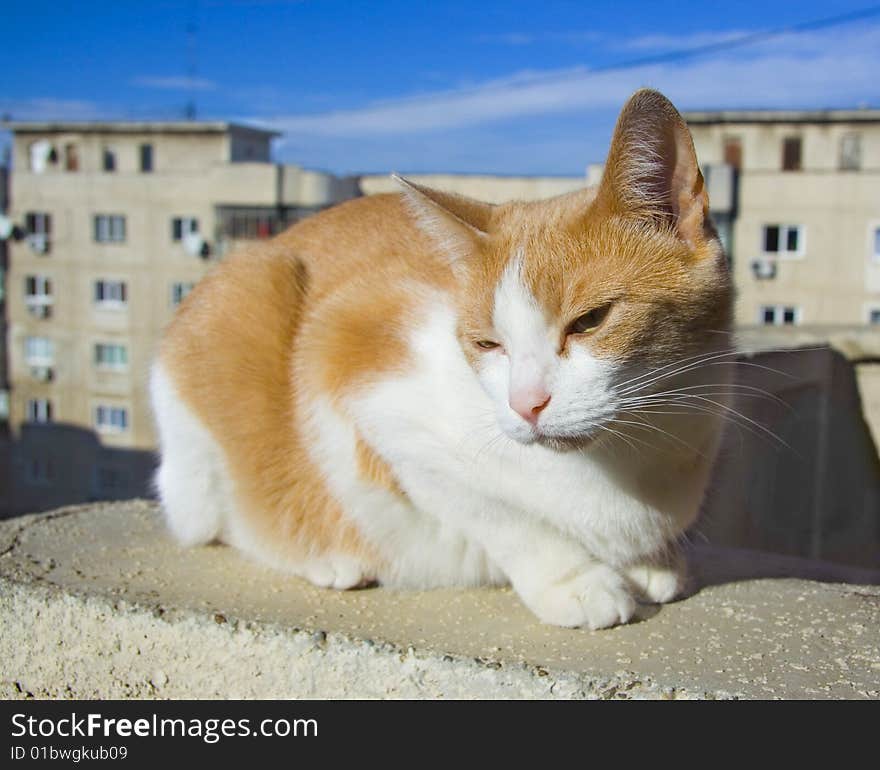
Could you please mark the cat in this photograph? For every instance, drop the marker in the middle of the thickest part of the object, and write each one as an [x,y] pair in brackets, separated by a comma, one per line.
[418,389]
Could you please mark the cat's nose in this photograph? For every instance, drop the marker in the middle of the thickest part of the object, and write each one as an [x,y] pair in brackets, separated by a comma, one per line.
[529,403]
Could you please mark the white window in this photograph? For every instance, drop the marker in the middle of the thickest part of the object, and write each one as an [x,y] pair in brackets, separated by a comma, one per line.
[38,295]
[38,223]
[111,294]
[111,419]
[109,356]
[39,351]
[779,315]
[39,410]
[783,240]
[183,226]
[179,290]
[109,228]
[850,152]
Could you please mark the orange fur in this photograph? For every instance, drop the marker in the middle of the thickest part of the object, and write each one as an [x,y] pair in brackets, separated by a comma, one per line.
[327,306]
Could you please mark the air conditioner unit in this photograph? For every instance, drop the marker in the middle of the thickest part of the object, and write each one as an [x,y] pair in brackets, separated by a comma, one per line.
[39,243]
[42,373]
[764,269]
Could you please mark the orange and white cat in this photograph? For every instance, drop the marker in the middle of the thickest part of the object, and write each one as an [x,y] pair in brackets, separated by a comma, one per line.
[420,390]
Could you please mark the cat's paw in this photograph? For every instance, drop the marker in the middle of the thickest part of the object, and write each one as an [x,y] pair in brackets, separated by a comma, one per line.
[657,583]
[595,597]
[336,571]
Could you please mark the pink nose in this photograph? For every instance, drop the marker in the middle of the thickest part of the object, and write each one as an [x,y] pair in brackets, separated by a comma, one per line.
[529,403]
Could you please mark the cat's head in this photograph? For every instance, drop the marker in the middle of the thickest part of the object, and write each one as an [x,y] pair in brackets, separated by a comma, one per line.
[564,302]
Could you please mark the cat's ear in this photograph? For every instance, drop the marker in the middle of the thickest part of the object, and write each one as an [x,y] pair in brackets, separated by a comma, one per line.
[458,225]
[652,170]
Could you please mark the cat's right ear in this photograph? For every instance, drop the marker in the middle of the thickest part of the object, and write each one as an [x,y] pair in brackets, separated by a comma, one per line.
[458,225]
[652,171]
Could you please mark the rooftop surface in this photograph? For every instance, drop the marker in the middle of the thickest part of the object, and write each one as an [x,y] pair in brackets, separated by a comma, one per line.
[98,602]
[700,117]
[132,127]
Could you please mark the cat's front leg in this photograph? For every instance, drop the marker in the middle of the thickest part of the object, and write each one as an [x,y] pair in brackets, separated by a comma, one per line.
[558,579]
[659,580]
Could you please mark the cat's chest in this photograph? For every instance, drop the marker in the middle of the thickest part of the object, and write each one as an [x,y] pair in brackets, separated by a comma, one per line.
[436,426]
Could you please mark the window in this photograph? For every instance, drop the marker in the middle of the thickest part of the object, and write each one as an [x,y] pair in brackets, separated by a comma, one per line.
[875,243]
[784,240]
[733,152]
[791,153]
[71,157]
[39,351]
[179,291]
[111,293]
[39,410]
[111,419]
[109,228]
[41,155]
[850,152]
[38,223]
[108,356]
[38,295]
[146,158]
[249,222]
[183,226]
[110,480]
[874,316]
[109,159]
[780,315]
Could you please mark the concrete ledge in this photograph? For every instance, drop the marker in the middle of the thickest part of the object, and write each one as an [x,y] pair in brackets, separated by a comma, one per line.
[96,602]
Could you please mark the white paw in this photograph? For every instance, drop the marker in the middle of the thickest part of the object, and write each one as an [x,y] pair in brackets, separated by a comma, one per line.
[334,571]
[596,597]
[657,583]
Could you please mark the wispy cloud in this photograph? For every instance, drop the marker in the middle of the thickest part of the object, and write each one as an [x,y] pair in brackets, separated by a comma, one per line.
[679,42]
[792,71]
[574,37]
[50,108]
[174,83]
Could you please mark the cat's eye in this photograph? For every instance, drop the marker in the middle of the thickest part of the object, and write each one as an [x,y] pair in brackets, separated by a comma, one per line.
[487,344]
[591,321]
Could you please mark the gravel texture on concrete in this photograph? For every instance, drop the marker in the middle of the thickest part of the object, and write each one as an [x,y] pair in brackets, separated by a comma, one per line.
[98,602]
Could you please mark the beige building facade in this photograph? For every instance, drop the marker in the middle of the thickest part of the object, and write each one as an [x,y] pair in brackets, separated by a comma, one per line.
[797,197]
[116,223]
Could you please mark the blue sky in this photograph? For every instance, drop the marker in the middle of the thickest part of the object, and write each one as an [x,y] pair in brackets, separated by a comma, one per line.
[501,87]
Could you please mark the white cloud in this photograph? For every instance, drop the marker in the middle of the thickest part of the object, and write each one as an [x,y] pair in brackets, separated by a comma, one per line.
[837,68]
[681,42]
[174,83]
[50,108]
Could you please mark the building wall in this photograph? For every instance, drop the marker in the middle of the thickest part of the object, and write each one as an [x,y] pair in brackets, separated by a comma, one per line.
[836,280]
[192,177]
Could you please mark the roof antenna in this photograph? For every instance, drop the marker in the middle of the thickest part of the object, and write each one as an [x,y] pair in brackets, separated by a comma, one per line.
[189,110]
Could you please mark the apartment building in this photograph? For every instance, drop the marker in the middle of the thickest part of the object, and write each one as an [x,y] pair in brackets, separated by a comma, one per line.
[116,223]
[796,195]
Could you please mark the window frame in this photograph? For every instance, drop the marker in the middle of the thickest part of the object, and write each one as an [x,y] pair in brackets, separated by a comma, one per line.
[108,365]
[178,233]
[45,357]
[174,285]
[109,233]
[34,415]
[146,160]
[111,303]
[784,229]
[779,315]
[112,425]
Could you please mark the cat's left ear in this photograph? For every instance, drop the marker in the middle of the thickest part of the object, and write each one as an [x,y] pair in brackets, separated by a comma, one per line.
[652,170]
[458,225]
